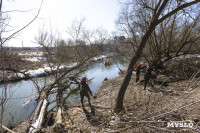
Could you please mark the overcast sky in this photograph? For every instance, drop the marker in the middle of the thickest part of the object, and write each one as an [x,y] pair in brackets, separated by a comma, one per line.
[60,13]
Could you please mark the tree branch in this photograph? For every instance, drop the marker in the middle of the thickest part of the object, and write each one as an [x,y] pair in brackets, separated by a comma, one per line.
[9,37]
[176,10]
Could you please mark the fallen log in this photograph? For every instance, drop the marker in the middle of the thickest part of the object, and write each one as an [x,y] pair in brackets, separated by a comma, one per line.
[37,109]
[38,116]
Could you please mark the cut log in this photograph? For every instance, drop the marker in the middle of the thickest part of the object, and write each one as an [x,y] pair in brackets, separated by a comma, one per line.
[38,119]
[58,118]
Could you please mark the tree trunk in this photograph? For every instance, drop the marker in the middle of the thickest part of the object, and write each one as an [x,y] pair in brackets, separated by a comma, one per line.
[120,97]
[154,22]
[0,5]
[37,121]
[59,119]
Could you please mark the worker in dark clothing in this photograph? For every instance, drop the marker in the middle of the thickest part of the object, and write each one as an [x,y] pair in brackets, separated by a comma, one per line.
[147,76]
[138,69]
[85,91]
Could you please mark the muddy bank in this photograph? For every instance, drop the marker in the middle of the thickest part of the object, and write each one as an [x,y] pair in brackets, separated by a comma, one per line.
[155,106]
[145,110]
[149,105]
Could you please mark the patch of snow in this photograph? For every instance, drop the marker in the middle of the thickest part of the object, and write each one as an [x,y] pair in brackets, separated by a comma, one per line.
[35,59]
[186,56]
[42,71]
[62,67]
[35,73]
[21,75]
[72,65]
[99,58]
[47,69]
[32,53]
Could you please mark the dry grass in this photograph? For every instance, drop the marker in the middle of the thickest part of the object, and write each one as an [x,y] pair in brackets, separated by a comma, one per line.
[145,110]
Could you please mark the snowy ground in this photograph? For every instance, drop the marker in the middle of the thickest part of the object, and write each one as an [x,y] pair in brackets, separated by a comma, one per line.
[187,56]
[35,59]
[31,53]
[47,70]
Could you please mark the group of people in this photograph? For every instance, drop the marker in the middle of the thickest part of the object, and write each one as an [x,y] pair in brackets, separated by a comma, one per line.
[85,90]
[147,75]
[108,63]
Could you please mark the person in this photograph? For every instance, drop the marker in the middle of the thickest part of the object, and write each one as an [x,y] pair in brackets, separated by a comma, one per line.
[136,65]
[147,76]
[138,69]
[85,91]
[106,63]
[109,62]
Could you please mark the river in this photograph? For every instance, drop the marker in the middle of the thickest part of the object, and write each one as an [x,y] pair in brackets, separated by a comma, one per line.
[21,94]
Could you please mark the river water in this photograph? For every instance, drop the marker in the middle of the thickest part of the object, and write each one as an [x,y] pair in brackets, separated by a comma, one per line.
[21,94]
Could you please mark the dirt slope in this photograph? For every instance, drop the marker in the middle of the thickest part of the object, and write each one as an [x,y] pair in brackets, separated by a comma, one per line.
[154,107]
[145,110]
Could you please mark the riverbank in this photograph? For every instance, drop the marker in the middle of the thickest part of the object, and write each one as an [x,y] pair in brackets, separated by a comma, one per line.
[145,110]
[43,70]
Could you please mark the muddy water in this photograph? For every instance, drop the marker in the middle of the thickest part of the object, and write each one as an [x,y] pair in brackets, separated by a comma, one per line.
[21,101]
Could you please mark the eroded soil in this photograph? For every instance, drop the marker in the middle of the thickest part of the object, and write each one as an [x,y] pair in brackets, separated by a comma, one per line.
[145,110]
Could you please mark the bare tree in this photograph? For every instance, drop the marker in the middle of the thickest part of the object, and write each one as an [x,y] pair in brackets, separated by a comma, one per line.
[58,54]
[4,95]
[76,31]
[159,14]
[177,33]
[7,59]
[101,38]
[86,40]
[176,36]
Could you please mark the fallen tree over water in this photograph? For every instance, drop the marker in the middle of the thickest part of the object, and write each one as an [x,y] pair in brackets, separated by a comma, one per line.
[38,116]
[62,82]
